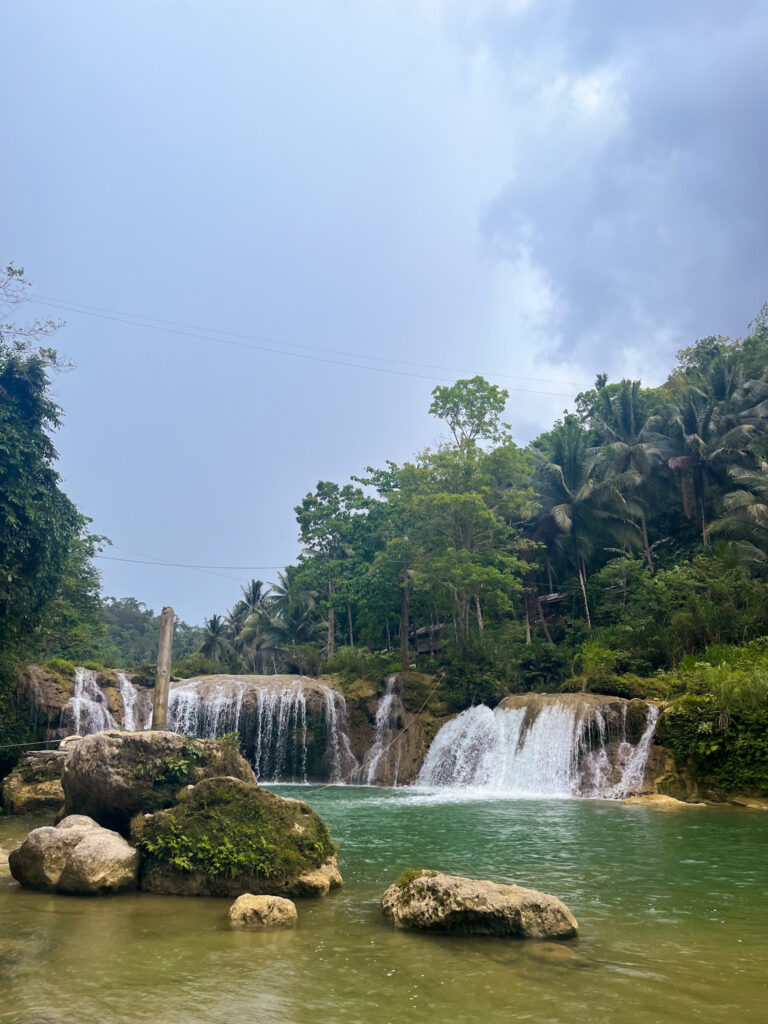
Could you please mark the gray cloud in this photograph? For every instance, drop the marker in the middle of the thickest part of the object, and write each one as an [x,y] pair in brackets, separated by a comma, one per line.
[639,189]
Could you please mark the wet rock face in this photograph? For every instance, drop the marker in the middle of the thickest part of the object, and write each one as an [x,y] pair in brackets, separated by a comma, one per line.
[111,776]
[249,911]
[227,837]
[431,901]
[34,785]
[77,856]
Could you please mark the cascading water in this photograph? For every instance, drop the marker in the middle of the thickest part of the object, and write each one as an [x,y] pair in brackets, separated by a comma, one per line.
[553,747]
[386,726]
[130,699]
[87,709]
[290,727]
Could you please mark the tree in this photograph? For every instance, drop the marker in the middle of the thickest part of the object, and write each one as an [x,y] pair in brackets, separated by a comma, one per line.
[633,442]
[583,507]
[325,519]
[471,408]
[215,644]
[38,522]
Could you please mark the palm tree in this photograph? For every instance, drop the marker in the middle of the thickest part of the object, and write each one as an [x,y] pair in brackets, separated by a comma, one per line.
[215,643]
[579,498]
[712,429]
[634,445]
[745,515]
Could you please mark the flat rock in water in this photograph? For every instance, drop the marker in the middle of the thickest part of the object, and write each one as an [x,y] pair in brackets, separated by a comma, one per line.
[432,901]
[77,856]
[251,911]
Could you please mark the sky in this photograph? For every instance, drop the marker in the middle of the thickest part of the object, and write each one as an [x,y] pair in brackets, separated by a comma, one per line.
[272,228]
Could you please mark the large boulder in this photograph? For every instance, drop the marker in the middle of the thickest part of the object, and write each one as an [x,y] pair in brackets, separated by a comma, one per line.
[77,856]
[431,901]
[34,785]
[227,837]
[112,775]
[249,911]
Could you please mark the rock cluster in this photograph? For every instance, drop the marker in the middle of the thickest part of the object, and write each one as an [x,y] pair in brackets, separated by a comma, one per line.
[77,856]
[431,901]
[111,776]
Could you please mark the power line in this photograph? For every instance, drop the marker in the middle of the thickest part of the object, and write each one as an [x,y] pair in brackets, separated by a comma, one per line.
[188,565]
[81,306]
[133,320]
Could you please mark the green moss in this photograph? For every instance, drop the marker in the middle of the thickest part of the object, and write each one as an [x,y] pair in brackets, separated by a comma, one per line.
[411,874]
[225,828]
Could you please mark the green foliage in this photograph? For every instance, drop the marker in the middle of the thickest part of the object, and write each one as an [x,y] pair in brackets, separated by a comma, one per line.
[471,408]
[193,665]
[723,736]
[355,663]
[226,829]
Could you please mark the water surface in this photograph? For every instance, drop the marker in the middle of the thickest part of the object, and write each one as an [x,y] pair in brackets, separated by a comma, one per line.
[673,910]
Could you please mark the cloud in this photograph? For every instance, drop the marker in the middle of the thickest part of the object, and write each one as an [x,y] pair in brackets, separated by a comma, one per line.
[637,190]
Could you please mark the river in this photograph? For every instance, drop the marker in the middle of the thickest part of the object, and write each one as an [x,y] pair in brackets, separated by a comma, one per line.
[672,907]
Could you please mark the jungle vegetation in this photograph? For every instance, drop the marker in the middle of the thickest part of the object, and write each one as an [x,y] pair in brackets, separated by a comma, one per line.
[620,544]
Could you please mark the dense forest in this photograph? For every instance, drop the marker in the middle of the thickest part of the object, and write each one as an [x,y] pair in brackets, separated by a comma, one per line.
[623,551]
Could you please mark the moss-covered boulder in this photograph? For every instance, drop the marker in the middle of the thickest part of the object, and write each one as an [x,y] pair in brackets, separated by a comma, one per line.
[111,776]
[34,785]
[227,837]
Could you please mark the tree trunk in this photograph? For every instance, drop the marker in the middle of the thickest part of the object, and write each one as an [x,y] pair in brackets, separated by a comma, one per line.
[163,672]
[349,620]
[405,661]
[684,493]
[389,637]
[542,620]
[331,645]
[646,545]
[259,661]
[584,594]
[527,625]
[479,615]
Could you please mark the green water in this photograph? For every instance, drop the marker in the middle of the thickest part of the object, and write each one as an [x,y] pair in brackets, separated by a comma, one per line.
[673,909]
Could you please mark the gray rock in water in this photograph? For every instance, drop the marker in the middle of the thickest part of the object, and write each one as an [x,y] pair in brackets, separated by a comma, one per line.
[251,911]
[111,776]
[431,901]
[77,856]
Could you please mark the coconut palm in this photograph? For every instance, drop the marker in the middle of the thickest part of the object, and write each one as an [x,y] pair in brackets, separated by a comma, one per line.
[581,500]
[634,444]
[745,516]
[712,429]
[215,642]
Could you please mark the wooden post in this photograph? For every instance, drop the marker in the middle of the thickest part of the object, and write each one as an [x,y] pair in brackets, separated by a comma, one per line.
[163,673]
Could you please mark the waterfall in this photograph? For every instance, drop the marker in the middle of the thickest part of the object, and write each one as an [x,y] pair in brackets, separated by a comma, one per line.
[342,762]
[129,698]
[291,728]
[387,717]
[544,746]
[87,709]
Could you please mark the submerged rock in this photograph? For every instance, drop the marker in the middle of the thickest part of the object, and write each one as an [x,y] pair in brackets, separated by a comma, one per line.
[77,856]
[113,775]
[660,801]
[34,785]
[228,837]
[432,901]
[250,911]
